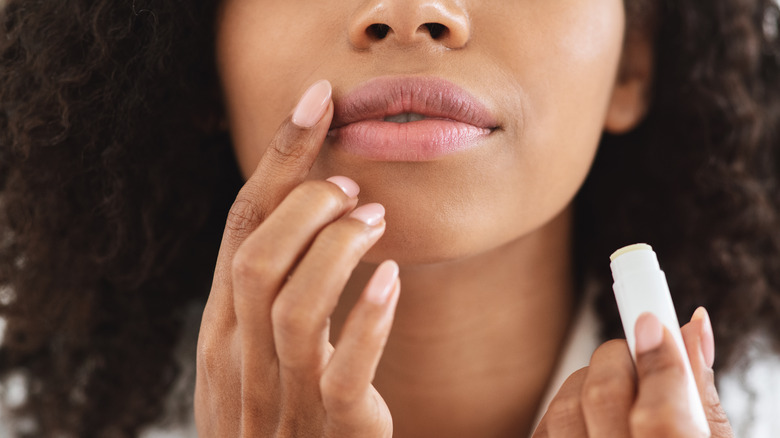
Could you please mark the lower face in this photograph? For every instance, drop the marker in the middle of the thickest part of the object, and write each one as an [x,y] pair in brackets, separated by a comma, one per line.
[545,69]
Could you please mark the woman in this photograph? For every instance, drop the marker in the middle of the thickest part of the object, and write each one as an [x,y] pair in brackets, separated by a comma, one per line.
[496,151]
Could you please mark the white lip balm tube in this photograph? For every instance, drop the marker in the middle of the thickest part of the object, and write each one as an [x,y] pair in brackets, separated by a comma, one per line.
[640,286]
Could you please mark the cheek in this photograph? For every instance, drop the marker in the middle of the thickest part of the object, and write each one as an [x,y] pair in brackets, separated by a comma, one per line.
[267,55]
[577,71]
[563,57]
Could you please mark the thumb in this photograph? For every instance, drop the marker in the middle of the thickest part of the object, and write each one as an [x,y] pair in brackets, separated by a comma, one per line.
[700,345]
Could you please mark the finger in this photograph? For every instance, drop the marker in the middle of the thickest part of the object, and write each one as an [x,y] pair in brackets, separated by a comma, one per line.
[301,312]
[609,390]
[541,430]
[564,416]
[700,344]
[661,407]
[283,166]
[346,382]
[265,259]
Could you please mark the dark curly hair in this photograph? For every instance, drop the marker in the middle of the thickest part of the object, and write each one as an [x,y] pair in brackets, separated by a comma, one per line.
[115,181]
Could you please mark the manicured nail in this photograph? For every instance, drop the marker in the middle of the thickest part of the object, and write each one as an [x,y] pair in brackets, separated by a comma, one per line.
[649,333]
[347,185]
[707,342]
[370,214]
[382,282]
[313,104]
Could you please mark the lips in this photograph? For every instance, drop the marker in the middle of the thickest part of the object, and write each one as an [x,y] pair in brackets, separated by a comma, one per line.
[409,119]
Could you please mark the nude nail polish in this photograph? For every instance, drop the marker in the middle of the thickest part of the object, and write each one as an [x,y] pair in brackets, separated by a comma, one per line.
[649,333]
[382,282]
[370,214]
[349,187]
[313,104]
[707,342]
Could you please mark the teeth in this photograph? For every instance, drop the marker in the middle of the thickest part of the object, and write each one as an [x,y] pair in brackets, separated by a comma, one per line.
[405,118]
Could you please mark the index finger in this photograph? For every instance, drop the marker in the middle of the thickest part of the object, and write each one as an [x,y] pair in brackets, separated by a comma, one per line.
[283,166]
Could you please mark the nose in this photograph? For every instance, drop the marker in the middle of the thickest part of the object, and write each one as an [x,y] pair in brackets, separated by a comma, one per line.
[409,22]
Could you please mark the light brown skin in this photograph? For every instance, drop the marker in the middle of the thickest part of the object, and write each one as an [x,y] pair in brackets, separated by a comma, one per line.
[487,289]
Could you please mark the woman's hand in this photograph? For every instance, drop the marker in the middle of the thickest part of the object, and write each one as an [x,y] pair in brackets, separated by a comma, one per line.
[612,398]
[265,367]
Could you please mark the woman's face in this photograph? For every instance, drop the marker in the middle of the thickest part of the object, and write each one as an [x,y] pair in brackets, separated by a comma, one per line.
[545,70]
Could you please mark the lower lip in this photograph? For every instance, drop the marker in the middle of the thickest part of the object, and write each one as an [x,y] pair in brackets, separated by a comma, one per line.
[423,140]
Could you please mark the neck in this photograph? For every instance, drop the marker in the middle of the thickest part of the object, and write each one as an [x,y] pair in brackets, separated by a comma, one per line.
[475,340]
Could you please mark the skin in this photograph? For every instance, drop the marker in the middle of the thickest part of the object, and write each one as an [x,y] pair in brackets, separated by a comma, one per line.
[291,342]
[524,75]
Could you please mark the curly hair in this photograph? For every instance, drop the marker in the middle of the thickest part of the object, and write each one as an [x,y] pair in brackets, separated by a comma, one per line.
[115,181]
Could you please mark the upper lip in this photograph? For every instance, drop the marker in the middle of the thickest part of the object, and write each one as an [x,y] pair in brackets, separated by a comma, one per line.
[431,97]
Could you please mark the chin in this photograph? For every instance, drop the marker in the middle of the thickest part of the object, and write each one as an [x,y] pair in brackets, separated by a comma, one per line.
[433,243]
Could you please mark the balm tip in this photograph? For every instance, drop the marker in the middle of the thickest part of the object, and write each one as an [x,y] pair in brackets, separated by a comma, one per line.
[629,248]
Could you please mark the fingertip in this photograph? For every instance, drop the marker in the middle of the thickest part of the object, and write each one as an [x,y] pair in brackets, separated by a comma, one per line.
[691,334]
[370,214]
[707,337]
[383,283]
[396,291]
[347,185]
[649,333]
[699,314]
[313,104]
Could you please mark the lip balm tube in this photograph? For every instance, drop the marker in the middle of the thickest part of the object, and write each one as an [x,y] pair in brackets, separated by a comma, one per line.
[640,286]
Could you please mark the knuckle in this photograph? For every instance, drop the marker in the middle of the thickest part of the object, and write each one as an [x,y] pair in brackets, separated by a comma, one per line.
[656,362]
[713,410]
[244,216]
[562,409]
[710,395]
[347,238]
[338,394]
[716,415]
[615,355]
[288,318]
[285,151]
[344,235]
[656,421]
[318,195]
[242,267]
[605,392]
[211,354]
[612,345]
[718,421]
[252,268]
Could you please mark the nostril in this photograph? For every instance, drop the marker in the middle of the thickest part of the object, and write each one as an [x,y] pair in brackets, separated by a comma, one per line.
[378,30]
[437,30]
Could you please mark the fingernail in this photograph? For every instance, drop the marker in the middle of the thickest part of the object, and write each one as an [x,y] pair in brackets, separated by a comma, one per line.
[313,104]
[649,333]
[370,214]
[347,185]
[707,342]
[382,282]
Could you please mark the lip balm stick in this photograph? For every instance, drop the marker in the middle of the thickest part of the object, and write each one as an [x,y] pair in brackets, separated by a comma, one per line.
[640,286]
